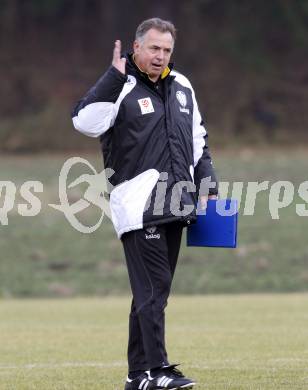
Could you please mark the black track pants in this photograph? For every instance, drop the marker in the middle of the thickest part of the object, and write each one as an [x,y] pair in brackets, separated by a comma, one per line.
[151,257]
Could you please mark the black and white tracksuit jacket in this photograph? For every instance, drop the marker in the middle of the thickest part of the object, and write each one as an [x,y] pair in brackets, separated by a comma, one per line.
[152,136]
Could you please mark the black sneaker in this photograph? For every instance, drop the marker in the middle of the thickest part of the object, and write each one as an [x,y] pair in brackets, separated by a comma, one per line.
[142,382]
[171,378]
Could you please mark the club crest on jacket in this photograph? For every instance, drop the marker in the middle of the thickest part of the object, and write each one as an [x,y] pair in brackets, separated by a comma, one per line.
[180,95]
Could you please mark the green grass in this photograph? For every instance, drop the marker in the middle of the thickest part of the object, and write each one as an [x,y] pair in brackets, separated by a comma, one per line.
[239,342]
[44,256]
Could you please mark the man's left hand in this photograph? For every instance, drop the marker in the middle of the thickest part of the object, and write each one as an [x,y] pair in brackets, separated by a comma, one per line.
[204,199]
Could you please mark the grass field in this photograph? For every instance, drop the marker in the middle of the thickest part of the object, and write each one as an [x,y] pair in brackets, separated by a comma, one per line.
[44,256]
[239,342]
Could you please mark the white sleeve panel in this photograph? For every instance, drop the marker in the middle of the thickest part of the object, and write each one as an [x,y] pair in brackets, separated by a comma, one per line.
[199,131]
[96,118]
[128,87]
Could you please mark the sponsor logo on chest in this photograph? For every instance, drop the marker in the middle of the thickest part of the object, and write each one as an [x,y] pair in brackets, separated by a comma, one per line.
[182,99]
[146,105]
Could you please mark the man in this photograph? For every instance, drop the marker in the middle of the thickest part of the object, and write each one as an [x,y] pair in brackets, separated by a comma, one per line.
[153,137]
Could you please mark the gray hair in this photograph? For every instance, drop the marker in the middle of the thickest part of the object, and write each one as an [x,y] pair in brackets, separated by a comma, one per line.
[157,24]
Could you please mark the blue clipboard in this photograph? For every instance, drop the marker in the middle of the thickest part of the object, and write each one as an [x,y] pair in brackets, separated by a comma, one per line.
[216,226]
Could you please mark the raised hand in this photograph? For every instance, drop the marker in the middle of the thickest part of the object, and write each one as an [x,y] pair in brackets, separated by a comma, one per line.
[117,61]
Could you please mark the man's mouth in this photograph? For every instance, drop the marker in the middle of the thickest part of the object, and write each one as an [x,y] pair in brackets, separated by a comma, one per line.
[157,66]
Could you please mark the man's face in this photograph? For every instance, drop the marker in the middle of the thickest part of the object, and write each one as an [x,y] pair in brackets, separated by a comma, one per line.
[153,52]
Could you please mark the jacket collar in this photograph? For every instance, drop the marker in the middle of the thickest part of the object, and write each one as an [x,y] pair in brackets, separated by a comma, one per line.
[132,65]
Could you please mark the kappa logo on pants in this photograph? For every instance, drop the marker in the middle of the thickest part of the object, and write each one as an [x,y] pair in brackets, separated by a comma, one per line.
[152,230]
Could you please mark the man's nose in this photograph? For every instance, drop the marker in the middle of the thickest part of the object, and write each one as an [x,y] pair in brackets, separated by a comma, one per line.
[160,55]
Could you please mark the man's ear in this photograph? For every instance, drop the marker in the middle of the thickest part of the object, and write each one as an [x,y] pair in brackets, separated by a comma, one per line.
[136,47]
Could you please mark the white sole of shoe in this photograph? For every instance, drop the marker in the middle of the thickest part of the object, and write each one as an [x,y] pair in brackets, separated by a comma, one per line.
[187,387]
